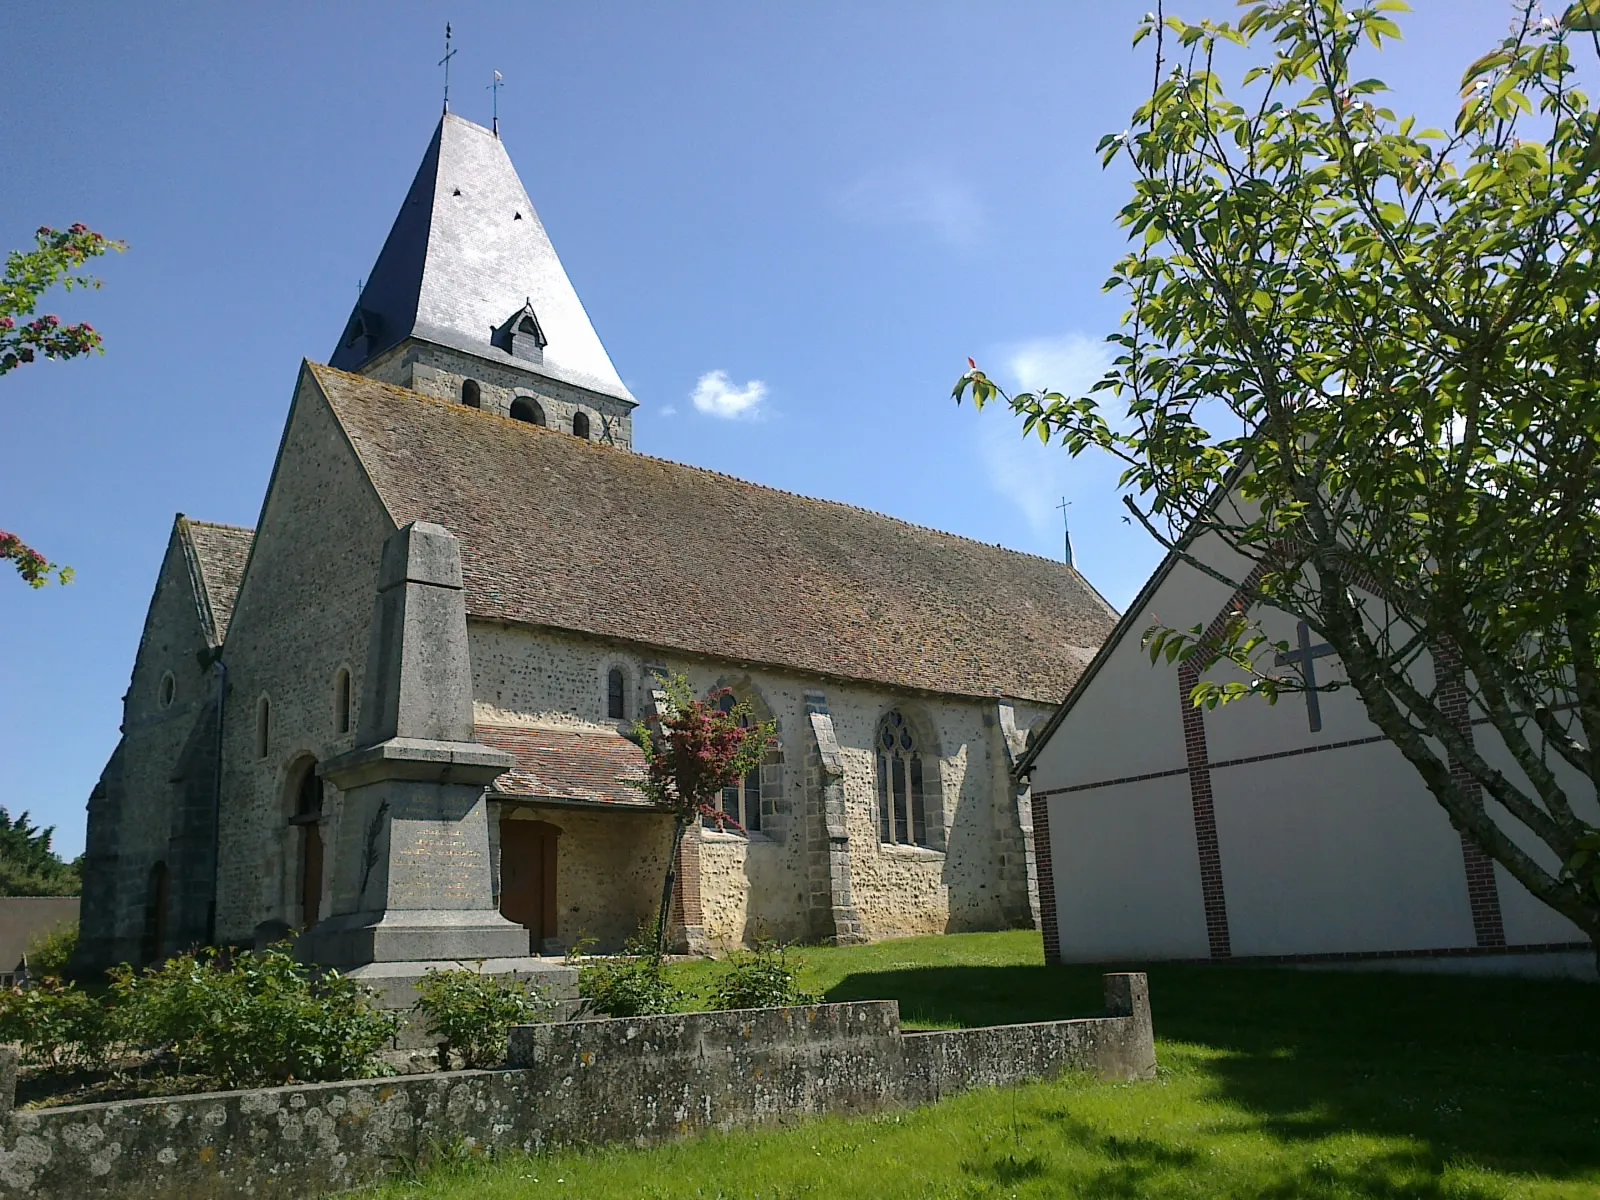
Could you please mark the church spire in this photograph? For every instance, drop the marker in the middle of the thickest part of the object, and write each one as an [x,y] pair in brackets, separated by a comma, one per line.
[466,255]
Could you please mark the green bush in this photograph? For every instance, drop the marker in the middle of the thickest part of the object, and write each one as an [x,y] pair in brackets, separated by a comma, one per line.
[50,951]
[256,1019]
[758,978]
[54,1024]
[633,985]
[470,1013]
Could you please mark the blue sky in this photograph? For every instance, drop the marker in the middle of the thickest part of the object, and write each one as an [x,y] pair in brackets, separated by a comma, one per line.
[805,215]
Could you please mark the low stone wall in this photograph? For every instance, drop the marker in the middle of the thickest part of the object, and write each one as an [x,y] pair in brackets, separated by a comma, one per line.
[587,1082]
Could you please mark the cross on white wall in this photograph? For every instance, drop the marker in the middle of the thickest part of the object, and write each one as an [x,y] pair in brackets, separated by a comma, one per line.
[1306,659]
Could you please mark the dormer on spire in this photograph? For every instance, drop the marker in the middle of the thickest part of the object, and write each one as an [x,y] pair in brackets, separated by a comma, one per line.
[362,333]
[521,336]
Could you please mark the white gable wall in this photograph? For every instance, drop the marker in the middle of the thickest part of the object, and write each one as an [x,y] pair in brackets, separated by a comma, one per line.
[1327,841]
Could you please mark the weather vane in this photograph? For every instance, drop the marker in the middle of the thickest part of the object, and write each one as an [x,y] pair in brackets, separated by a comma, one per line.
[445,63]
[495,88]
[1066,530]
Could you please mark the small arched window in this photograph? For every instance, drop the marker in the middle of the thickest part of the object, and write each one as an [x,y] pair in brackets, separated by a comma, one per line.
[742,801]
[263,727]
[524,409]
[616,700]
[341,701]
[167,691]
[580,425]
[902,819]
[471,394]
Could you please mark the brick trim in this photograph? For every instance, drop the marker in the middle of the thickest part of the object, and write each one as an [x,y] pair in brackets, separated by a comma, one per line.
[1269,960]
[1045,877]
[1212,893]
[1483,890]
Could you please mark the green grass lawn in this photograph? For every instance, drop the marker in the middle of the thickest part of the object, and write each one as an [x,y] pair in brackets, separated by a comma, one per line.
[1273,1083]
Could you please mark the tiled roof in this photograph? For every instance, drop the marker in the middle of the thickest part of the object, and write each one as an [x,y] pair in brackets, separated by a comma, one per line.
[560,532]
[572,765]
[220,552]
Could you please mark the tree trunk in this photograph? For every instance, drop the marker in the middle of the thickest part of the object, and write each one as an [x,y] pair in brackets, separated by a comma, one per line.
[679,827]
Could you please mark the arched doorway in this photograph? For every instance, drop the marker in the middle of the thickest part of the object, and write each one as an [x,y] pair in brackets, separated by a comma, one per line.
[308,816]
[528,877]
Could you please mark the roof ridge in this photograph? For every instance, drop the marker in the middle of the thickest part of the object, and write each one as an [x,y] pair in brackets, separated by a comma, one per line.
[463,409]
[218,524]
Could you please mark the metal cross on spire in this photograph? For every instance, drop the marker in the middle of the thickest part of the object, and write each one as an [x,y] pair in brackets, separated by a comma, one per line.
[495,88]
[1066,530]
[444,62]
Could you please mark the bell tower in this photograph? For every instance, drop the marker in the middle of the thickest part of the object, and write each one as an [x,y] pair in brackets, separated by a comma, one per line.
[469,302]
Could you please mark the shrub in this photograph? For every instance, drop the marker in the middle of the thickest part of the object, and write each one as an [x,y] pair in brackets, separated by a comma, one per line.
[259,1018]
[470,1013]
[54,1024]
[758,978]
[49,952]
[633,985]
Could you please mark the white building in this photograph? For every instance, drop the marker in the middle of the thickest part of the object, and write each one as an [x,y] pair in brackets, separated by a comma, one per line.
[1254,831]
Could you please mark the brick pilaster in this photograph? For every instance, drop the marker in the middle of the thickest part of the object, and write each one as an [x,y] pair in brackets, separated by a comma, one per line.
[1049,927]
[686,930]
[1483,890]
[1212,893]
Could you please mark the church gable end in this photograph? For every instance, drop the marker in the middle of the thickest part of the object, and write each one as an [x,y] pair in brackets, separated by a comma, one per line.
[302,617]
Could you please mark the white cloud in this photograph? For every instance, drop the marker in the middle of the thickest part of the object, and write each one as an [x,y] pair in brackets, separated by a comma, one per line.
[667,410]
[1070,364]
[716,395]
[1032,476]
[929,196]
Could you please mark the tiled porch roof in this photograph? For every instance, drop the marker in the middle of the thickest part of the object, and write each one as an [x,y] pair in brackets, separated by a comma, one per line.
[587,767]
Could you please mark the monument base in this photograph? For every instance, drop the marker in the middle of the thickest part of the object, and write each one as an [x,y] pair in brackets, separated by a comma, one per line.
[429,935]
[396,982]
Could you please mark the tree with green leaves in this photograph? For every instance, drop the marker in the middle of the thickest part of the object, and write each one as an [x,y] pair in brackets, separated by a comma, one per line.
[1358,382]
[56,259]
[693,750]
[28,864]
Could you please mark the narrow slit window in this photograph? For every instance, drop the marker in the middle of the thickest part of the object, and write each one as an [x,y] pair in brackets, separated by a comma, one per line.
[615,694]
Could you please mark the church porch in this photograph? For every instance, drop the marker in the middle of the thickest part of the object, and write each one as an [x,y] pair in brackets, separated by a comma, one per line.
[575,852]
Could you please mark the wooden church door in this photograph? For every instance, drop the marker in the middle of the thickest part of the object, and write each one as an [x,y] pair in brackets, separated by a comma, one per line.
[528,877]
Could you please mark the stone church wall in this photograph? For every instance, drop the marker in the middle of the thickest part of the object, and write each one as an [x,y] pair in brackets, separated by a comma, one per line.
[764,884]
[302,614]
[119,920]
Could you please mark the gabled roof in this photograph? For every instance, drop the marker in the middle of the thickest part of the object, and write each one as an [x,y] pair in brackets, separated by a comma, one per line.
[216,555]
[563,533]
[466,251]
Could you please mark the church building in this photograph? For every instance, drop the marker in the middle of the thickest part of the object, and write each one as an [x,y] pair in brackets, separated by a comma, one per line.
[1291,831]
[397,715]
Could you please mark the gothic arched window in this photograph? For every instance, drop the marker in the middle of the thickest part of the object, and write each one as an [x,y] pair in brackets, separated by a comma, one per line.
[580,425]
[616,697]
[471,394]
[524,409]
[901,812]
[742,801]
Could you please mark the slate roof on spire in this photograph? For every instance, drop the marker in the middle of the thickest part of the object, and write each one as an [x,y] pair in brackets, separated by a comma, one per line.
[466,251]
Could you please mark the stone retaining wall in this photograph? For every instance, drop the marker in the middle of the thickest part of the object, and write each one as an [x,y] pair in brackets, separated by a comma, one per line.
[588,1082]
